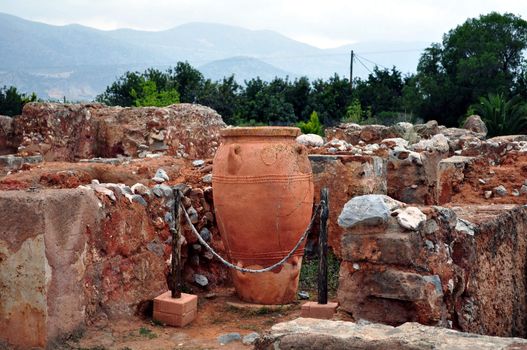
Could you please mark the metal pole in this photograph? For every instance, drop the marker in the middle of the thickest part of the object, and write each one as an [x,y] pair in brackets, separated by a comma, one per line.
[351,69]
[323,248]
[175,287]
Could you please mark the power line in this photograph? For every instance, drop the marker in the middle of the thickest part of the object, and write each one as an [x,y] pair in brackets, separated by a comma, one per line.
[377,64]
[358,59]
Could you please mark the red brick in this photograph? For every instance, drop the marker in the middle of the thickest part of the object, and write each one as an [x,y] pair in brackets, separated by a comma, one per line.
[312,309]
[175,312]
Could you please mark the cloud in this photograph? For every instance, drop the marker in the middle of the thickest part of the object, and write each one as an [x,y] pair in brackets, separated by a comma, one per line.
[322,23]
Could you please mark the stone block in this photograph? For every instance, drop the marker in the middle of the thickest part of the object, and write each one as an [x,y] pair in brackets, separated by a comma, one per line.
[177,312]
[345,177]
[42,264]
[313,309]
[450,173]
[395,248]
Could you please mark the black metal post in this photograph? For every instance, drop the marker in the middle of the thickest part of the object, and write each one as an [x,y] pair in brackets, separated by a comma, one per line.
[175,270]
[323,248]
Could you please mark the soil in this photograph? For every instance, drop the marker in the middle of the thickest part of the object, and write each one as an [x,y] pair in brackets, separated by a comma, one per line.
[215,318]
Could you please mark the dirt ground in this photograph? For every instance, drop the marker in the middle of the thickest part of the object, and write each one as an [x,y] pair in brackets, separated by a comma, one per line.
[215,318]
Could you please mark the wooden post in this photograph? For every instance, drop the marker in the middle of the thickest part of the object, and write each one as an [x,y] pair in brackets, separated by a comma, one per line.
[323,249]
[175,270]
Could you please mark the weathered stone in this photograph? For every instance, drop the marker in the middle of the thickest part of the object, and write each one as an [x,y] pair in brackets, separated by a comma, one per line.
[410,218]
[346,177]
[139,199]
[451,173]
[140,189]
[201,280]
[500,190]
[198,162]
[229,338]
[437,143]
[475,124]
[162,174]
[367,210]
[205,234]
[207,179]
[390,296]
[310,140]
[84,131]
[311,334]
[42,264]
[250,338]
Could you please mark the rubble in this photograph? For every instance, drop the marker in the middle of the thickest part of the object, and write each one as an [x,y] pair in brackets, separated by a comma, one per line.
[428,222]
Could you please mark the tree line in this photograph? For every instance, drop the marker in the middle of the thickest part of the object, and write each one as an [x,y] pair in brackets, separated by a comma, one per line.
[478,67]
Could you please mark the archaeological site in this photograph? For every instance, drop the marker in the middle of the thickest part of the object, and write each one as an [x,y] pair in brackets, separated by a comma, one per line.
[165,228]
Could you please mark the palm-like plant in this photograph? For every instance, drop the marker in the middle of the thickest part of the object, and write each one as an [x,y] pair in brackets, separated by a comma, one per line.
[502,117]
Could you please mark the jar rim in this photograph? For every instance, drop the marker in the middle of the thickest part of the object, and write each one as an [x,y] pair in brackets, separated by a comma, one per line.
[265,131]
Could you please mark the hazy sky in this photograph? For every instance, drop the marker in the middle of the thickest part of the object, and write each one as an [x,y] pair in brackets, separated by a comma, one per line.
[323,23]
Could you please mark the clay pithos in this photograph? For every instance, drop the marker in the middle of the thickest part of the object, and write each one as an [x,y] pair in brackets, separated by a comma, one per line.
[263,194]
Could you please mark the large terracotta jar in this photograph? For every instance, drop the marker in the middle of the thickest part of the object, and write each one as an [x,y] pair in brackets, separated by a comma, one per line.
[263,197]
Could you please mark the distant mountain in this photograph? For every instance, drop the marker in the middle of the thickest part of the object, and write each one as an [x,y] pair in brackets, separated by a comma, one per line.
[79,62]
[243,69]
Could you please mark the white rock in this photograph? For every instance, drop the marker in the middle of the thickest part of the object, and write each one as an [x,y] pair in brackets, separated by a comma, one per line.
[488,194]
[368,210]
[162,174]
[396,141]
[198,162]
[207,179]
[310,140]
[438,142]
[141,189]
[410,218]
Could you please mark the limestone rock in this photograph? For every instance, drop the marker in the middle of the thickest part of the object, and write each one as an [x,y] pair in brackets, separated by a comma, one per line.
[475,124]
[310,140]
[410,218]
[367,210]
[311,334]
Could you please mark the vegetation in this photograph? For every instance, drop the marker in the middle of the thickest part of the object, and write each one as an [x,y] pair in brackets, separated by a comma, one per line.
[12,101]
[309,274]
[313,126]
[502,116]
[478,64]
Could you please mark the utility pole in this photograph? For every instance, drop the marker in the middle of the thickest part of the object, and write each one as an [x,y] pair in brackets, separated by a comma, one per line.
[351,70]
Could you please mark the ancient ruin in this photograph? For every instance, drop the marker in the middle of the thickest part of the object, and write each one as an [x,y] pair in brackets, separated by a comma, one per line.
[429,226]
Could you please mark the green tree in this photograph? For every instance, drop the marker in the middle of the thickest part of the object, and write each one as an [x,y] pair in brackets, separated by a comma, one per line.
[12,101]
[313,126]
[188,81]
[150,95]
[354,112]
[483,55]
[382,91]
[331,99]
[122,92]
[502,116]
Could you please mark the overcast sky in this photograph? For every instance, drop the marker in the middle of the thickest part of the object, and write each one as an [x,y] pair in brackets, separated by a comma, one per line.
[323,23]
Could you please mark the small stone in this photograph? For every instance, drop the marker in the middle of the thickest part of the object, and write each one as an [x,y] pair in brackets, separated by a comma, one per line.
[141,189]
[410,218]
[488,194]
[310,140]
[198,162]
[208,255]
[194,260]
[95,182]
[201,280]
[481,181]
[465,226]
[500,190]
[196,247]
[193,214]
[162,174]
[515,193]
[429,244]
[184,188]
[139,199]
[523,189]
[332,150]
[356,266]
[169,218]
[207,179]
[228,338]
[109,193]
[159,180]
[303,295]
[250,338]
[205,234]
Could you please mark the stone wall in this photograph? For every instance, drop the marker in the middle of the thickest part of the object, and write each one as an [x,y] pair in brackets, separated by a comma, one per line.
[461,267]
[68,132]
[43,248]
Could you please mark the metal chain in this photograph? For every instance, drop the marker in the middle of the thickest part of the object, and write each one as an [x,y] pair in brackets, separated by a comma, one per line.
[243,269]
